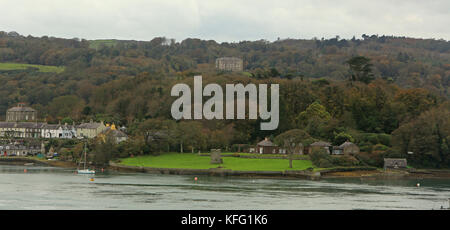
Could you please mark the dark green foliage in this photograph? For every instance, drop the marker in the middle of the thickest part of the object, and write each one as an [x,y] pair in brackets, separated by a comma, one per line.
[342,137]
[320,158]
[360,69]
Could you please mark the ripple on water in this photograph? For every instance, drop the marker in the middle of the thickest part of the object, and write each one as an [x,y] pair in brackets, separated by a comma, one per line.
[52,188]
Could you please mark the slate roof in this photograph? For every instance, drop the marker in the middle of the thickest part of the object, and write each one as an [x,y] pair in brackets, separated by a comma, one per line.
[346,144]
[26,125]
[321,144]
[21,109]
[89,125]
[117,133]
[266,142]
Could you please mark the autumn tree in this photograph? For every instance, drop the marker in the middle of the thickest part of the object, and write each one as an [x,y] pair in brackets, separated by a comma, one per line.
[360,69]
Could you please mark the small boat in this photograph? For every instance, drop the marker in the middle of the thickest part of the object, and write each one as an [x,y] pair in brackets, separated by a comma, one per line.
[28,164]
[84,170]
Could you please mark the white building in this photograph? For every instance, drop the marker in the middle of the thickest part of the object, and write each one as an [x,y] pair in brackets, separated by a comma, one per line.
[58,131]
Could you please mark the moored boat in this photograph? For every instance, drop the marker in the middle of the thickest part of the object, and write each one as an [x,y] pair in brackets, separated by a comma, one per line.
[84,170]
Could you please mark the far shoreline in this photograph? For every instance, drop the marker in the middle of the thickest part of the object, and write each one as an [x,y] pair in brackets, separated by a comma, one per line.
[339,172]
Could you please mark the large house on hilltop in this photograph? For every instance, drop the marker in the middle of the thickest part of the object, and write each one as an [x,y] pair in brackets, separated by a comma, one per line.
[21,113]
[230,64]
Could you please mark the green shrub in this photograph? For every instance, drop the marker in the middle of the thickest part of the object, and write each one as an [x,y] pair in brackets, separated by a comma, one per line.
[321,158]
[370,160]
[380,147]
[373,138]
[345,161]
[384,139]
[324,163]
[366,148]
[341,138]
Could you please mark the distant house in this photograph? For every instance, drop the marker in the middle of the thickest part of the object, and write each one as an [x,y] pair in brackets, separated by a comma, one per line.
[21,129]
[395,163]
[230,64]
[319,145]
[90,130]
[58,131]
[337,150]
[19,150]
[113,132]
[267,147]
[346,148]
[21,113]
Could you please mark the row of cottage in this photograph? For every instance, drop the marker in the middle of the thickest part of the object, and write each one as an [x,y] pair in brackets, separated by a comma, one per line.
[16,149]
[268,147]
[44,130]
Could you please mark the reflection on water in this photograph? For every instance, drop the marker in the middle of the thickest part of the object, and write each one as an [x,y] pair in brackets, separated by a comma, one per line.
[56,188]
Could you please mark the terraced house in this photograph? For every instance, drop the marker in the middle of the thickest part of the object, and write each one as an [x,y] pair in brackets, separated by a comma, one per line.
[58,131]
[90,130]
[21,123]
[21,129]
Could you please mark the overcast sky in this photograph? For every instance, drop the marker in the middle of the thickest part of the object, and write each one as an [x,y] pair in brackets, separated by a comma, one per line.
[225,20]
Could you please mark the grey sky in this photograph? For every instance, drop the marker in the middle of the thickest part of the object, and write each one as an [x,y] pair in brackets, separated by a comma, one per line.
[225,20]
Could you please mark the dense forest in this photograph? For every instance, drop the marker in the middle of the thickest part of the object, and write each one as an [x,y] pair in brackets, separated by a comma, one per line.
[390,95]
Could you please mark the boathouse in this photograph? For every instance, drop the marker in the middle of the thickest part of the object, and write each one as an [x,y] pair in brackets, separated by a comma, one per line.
[395,163]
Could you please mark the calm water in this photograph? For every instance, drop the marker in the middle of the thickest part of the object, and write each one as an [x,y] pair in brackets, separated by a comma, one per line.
[57,188]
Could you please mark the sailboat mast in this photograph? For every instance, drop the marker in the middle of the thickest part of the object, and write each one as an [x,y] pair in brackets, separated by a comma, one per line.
[85,158]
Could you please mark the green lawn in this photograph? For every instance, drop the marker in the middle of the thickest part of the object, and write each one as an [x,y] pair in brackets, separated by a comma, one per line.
[42,68]
[257,155]
[193,161]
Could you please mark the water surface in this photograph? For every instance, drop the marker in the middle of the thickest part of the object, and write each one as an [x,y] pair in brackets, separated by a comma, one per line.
[59,188]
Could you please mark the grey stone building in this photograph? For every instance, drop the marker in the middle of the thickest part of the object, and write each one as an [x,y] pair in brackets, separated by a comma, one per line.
[395,163]
[230,64]
[21,129]
[21,113]
[19,149]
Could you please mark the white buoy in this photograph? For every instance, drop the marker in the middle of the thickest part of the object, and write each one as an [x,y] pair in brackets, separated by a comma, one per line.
[418,185]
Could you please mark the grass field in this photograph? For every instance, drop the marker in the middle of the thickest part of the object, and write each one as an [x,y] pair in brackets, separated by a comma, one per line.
[42,68]
[193,161]
[95,44]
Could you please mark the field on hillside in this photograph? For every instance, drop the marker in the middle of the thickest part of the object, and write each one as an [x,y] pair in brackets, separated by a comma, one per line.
[42,68]
[95,44]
